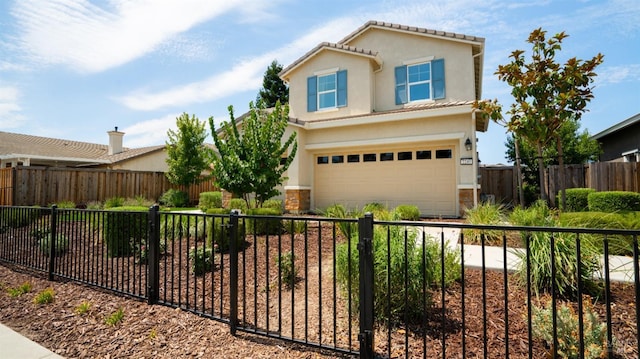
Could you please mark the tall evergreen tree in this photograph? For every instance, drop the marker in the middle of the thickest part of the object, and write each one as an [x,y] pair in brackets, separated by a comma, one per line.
[273,88]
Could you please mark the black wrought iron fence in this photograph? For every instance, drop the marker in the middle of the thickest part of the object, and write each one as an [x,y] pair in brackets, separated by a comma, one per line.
[366,287]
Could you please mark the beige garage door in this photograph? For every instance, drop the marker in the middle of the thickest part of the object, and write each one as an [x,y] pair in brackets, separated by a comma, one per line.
[423,176]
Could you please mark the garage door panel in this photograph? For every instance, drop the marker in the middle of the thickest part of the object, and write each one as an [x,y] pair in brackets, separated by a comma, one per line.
[430,184]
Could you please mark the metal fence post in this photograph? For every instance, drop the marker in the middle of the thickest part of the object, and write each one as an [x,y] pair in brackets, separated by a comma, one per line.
[232,233]
[153,259]
[365,249]
[52,240]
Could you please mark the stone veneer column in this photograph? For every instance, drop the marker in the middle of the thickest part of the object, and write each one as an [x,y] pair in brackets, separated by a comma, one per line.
[466,199]
[297,200]
[226,197]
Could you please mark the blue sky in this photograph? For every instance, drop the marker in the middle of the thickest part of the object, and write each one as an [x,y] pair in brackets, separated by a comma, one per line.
[75,69]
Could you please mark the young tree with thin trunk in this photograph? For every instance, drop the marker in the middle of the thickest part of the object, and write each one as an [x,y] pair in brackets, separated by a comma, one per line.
[252,158]
[187,156]
[546,95]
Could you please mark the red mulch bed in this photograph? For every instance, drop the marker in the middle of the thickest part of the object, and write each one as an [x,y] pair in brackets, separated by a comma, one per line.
[163,332]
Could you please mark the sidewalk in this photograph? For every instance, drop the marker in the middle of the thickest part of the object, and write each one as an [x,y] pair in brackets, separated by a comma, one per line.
[15,346]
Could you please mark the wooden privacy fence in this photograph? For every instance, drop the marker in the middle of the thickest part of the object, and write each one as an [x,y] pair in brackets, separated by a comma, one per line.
[26,186]
[501,181]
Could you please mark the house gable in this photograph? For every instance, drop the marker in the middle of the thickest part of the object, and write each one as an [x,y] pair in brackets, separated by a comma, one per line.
[438,67]
[621,142]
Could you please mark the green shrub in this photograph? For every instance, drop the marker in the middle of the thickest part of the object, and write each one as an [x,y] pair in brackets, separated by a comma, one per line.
[115,317]
[113,202]
[123,228]
[22,289]
[396,295]
[83,308]
[238,203]
[174,198]
[176,225]
[339,211]
[257,225]
[566,268]
[407,212]
[484,213]
[208,200]
[45,297]
[537,215]
[66,205]
[201,260]
[612,201]
[217,235]
[273,203]
[568,334]
[287,269]
[378,210]
[618,244]
[17,217]
[138,201]
[577,199]
[61,244]
[94,205]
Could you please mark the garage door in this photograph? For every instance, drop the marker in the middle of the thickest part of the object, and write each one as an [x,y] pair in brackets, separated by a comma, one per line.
[423,176]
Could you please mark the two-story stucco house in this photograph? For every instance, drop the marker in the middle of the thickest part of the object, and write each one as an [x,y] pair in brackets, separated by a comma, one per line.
[385,116]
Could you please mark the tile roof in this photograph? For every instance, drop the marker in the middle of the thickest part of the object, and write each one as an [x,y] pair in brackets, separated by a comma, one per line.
[419,30]
[16,144]
[336,47]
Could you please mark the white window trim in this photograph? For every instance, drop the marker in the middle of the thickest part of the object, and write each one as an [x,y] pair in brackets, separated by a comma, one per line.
[326,72]
[334,91]
[430,81]
[418,60]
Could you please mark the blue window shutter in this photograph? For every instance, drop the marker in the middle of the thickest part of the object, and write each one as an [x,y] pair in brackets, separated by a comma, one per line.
[401,85]
[342,88]
[312,92]
[437,68]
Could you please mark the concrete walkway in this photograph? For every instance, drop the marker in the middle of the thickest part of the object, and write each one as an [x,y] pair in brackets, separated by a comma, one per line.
[15,346]
[620,267]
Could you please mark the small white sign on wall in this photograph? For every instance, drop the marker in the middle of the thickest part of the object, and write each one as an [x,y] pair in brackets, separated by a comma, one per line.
[466,161]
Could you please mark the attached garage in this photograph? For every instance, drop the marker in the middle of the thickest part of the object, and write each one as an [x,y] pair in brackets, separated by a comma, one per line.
[422,175]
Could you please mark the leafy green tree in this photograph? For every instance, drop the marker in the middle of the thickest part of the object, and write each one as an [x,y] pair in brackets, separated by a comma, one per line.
[187,156]
[251,156]
[273,88]
[546,95]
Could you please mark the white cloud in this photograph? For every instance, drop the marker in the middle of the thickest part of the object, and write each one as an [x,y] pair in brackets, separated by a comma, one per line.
[149,133]
[618,74]
[10,110]
[91,38]
[244,76]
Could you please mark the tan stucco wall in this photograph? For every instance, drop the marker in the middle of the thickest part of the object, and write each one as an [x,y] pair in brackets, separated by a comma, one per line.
[396,47]
[395,134]
[359,85]
[154,162]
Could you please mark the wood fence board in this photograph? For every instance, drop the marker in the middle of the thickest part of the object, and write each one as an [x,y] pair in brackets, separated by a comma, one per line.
[46,185]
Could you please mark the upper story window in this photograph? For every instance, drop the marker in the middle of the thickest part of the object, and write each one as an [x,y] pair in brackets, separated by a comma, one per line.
[327,90]
[420,81]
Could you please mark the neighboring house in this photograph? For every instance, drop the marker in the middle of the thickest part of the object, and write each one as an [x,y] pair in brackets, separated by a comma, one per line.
[621,142]
[385,115]
[19,149]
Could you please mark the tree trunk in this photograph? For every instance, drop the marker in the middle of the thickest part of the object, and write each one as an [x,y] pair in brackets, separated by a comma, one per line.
[519,172]
[541,172]
[561,183]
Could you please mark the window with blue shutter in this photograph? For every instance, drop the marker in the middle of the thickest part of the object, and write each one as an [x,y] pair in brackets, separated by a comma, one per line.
[342,88]
[419,82]
[312,90]
[401,85]
[437,68]
[327,91]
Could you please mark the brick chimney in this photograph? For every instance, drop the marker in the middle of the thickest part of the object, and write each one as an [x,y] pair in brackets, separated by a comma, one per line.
[115,141]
